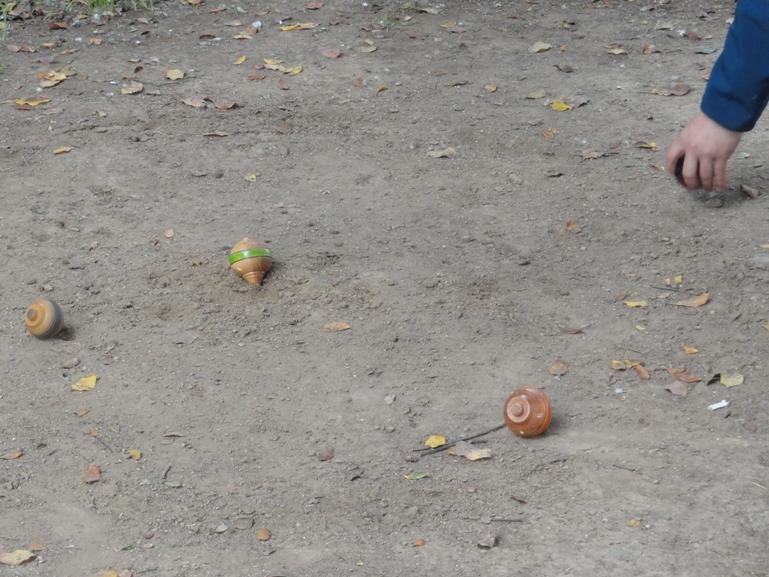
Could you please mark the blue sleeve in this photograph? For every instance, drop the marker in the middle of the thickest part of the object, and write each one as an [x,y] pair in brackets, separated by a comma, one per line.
[738,89]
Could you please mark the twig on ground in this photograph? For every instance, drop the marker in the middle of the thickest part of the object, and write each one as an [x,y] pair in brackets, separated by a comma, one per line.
[449,444]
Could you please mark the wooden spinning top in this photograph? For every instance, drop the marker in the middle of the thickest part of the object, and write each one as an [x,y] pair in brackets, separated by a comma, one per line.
[528,412]
[250,260]
[43,318]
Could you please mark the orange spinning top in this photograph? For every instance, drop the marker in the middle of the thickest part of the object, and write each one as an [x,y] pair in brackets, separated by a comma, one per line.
[250,260]
[528,412]
[43,318]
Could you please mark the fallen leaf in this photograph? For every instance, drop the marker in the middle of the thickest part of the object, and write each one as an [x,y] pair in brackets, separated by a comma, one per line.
[573,330]
[62,150]
[132,87]
[85,384]
[368,46]
[37,547]
[51,78]
[331,53]
[207,36]
[194,102]
[134,454]
[240,60]
[13,455]
[538,47]
[677,388]
[636,304]
[226,105]
[15,558]
[419,542]
[469,451]
[695,301]
[449,152]
[536,95]
[549,133]
[174,74]
[560,106]
[572,226]
[590,154]
[679,89]
[731,380]
[635,522]
[649,48]
[663,25]
[416,476]
[95,41]
[749,191]
[242,36]
[616,49]
[381,88]
[299,26]
[643,372]
[30,103]
[337,326]
[690,350]
[263,534]
[92,474]
[623,365]
[489,88]
[169,233]
[647,145]
[434,441]
[82,412]
[565,68]
[58,25]
[275,64]
[250,177]
[489,540]
[558,368]
[316,5]
[683,376]
[257,76]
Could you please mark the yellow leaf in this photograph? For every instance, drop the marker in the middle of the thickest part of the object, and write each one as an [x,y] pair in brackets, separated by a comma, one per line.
[18,557]
[489,88]
[240,59]
[250,177]
[298,26]
[636,304]
[62,150]
[449,152]
[764,246]
[132,87]
[85,384]
[690,350]
[560,106]
[678,279]
[434,441]
[337,326]
[478,454]
[135,454]
[242,36]
[634,522]
[732,380]
[617,50]
[648,145]
[51,78]
[174,74]
[275,64]
[695,301]
[623,365]
[107,573]
[416,476]
[469,451]
[28,103]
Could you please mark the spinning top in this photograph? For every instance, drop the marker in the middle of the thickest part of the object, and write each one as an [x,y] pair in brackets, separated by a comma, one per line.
[528,412]
[250,260]
[43,318]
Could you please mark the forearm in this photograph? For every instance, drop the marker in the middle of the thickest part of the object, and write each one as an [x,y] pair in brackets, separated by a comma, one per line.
[738,90]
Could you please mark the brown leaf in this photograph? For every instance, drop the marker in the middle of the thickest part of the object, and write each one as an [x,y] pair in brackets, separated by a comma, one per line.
[194,102]
[695,301]
[469,451]
[358,82]
[419,542]
[683,376]
[649,48]
[132,87]
[315,5]
[572,226]
[263,534]
[331,53]
[677,388]
[337,326]
[257,76]
[226,105]
[60,25]
[13,455]
[643,372]
[281,84]
[23,48]
[92,474]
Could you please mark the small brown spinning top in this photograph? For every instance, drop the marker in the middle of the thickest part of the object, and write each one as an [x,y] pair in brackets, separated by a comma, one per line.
[250,260]
[528,412]
[43,318]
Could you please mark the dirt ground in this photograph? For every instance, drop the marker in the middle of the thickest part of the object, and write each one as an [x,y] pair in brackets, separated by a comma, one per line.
[458,276]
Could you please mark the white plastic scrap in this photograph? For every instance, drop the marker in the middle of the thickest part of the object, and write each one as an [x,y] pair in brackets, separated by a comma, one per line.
[718,405]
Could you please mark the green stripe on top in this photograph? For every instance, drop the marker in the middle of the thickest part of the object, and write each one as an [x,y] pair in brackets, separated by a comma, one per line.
[249,253]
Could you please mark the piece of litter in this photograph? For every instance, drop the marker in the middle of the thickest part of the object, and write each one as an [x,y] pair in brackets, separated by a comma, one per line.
[718,405]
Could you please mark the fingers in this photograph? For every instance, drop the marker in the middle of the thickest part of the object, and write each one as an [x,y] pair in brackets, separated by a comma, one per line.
[719,168]
[691,172]
[675,152]
[706,173]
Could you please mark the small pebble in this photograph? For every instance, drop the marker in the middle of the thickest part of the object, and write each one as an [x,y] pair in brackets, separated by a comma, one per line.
[326,454]
[70,363]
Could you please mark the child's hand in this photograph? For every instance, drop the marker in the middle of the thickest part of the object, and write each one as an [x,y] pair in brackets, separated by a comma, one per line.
[705,147]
